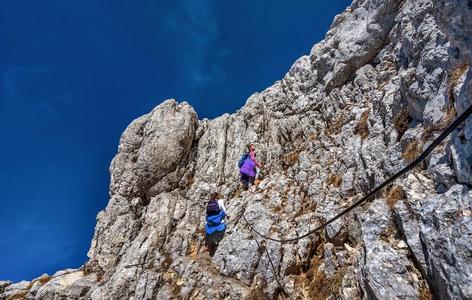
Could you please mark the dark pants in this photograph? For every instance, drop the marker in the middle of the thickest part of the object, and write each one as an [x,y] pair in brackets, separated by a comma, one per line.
[247,180]
[212,240]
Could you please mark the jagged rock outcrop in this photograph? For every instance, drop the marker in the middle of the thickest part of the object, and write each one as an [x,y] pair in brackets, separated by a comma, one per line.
[389,76]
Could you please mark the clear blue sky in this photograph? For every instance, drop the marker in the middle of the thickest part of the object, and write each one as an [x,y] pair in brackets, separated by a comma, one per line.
[75,73]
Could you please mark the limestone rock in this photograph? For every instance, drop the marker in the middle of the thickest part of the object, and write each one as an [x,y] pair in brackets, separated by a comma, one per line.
[389,76]
[4,284]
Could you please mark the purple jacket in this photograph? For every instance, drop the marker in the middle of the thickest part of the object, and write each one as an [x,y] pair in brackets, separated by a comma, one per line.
[248,168]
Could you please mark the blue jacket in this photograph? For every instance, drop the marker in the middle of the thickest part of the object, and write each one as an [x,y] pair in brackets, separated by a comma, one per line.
[215,223]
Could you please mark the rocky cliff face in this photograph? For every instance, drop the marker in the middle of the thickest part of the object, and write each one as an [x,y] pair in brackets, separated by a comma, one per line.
[389,76]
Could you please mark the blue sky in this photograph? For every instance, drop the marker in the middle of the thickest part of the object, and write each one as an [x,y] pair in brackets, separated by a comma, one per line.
[75,73]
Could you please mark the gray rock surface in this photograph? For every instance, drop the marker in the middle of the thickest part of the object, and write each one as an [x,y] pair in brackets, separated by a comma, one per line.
[4,284]
[389,76]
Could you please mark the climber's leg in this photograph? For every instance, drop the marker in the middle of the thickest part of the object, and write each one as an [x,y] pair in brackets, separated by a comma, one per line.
[251,180]
[212,241]
[245,181]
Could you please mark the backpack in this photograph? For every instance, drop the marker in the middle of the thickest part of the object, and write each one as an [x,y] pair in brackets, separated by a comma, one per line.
[213,208]
[242,159]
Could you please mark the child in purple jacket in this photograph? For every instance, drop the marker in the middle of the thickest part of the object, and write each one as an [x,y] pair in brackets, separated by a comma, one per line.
[248,168]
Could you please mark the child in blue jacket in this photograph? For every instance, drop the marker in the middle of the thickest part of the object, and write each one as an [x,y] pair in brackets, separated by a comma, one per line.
[215,226]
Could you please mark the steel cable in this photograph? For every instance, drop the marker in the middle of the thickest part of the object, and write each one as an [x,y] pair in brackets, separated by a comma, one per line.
[409,167]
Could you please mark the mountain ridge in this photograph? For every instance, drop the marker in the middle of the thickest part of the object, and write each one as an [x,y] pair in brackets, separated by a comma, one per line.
[387,78]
